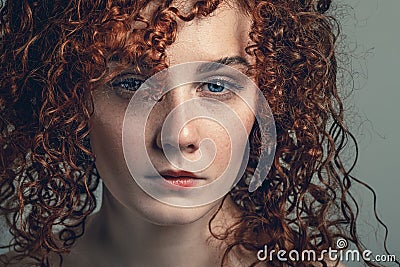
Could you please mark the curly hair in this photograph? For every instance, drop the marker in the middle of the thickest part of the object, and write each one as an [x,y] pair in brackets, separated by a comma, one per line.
[53,55]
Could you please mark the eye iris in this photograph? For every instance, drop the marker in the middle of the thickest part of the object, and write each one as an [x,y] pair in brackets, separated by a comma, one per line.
[216,87]
[131,84]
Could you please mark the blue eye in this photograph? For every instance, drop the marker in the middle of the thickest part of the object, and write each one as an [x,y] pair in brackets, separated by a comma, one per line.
[129,83]
[216,87]
[220,85]
[222,88]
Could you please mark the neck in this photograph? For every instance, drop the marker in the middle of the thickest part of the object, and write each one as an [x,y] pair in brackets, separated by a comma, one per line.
[123,234]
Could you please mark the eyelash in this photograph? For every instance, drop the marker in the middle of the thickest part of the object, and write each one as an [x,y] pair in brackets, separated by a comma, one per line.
[126,85]
[122,84]
[226,93]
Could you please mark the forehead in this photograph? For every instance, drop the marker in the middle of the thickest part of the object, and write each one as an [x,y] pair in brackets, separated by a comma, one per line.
[222,33]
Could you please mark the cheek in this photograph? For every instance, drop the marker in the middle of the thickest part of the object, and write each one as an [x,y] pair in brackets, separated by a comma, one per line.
[231,145]
[223,144]
[106,135]
[248,120]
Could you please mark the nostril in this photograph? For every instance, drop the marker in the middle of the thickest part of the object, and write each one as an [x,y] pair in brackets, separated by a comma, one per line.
[190,148]
[170,148]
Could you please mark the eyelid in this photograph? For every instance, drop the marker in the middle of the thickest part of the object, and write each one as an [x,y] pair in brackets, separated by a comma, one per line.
[230,83]
[124,76]
[225,95]
[124,91]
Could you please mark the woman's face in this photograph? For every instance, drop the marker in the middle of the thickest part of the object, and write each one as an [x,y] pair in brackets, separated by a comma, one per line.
[223,35]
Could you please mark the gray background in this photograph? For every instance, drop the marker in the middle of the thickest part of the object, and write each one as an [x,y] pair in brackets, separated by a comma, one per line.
[373,34]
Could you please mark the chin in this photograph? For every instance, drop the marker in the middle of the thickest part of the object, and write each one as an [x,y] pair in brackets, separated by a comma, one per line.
[163,214]
[144,207]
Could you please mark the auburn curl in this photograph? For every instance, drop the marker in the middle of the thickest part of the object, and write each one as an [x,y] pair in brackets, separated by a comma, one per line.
[53,55]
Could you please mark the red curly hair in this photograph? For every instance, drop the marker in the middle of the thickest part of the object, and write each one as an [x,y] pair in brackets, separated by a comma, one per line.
[53,55]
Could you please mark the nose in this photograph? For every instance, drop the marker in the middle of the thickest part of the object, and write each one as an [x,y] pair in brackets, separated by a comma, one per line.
[188,138]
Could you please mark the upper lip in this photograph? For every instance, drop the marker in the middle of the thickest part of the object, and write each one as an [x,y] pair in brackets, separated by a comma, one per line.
[178,174]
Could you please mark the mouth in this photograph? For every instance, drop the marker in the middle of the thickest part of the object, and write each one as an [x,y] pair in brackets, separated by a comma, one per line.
[181,178]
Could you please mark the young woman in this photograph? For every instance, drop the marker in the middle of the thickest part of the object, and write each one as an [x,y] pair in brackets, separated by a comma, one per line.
[70,71]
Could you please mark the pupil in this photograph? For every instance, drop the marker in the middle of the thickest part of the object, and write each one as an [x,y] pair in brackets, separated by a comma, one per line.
[215,87]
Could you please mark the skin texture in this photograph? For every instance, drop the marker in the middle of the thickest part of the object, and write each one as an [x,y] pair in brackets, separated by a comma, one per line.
[56,59]
[130,220]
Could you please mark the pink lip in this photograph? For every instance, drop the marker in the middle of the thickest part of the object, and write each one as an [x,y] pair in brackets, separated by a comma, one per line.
[180,178]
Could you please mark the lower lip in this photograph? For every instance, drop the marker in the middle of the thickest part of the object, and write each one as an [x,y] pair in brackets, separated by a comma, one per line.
[181,181]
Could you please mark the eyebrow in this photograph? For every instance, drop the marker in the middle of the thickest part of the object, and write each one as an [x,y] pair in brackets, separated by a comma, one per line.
[217,64]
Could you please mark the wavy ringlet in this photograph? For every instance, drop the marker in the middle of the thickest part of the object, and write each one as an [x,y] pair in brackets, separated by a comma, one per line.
[54,53]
